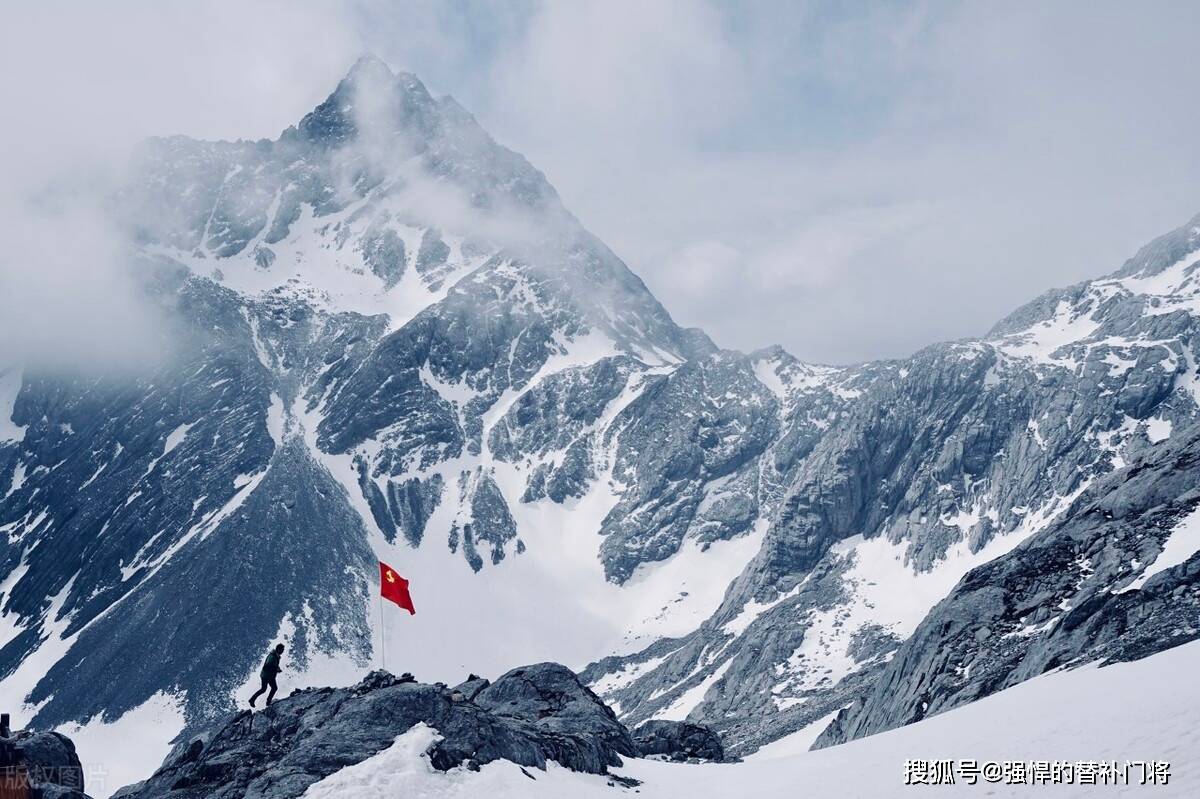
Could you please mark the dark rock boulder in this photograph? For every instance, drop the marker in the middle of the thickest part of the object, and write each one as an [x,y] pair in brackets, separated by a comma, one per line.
[553,698]
[470,688]
[529,716]
[678,740]
[49,762]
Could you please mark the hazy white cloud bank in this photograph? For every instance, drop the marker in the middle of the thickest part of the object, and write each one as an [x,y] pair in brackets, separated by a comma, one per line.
[869,179]
[84,83]
[851,181]
[848,180]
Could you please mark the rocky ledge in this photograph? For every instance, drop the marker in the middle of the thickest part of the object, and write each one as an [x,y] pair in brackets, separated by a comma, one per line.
[529,716]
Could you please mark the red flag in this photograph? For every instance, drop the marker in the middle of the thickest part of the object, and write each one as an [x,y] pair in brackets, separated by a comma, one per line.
[394,587]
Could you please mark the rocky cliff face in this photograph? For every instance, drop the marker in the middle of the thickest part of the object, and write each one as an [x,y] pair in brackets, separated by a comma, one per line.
[1114,579]
[387,338]
[931,467]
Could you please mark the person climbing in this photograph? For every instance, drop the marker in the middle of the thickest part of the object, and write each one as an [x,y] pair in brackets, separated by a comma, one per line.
[268,673]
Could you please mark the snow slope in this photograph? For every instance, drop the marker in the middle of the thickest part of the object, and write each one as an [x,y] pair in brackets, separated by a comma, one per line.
[1142,711]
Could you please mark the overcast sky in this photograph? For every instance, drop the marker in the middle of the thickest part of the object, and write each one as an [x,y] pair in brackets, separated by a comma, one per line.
[849,180]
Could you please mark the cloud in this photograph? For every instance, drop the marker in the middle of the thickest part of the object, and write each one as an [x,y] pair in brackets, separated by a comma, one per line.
[887,175]
[703,268]
[1017,148]
[621,78]
[86,83]
[68,295]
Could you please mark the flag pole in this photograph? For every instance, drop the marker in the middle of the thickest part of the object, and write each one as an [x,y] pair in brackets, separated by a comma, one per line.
[382,634]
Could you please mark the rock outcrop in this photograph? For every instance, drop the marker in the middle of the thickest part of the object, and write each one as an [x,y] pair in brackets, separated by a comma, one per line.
[530,716]
[678,740]
[45,763]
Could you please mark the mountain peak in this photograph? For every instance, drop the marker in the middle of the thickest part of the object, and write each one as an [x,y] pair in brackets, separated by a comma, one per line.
[372,67]
[371,99]
[1164,251]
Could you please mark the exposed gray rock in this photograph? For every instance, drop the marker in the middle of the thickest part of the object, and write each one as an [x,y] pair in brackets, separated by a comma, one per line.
[678,740]
[1057,600]
[470,688]
[705,421]
[48,761]
[529,716]
[411,503]
[383,251]
[555,700]
[491,522]
[264,257]
[431,258]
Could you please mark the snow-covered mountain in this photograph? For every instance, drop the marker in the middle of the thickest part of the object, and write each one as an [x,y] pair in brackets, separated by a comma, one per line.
[387,338]
[970,453]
